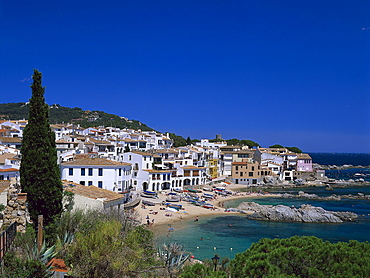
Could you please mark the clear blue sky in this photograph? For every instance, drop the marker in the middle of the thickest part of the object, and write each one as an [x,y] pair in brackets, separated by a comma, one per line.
[294,73]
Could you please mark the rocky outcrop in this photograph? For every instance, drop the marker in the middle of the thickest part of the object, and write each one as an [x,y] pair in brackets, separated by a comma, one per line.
[306,213]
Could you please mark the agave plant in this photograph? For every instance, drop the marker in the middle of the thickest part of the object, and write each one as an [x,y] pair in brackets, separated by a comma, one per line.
[44,255]
[173,256]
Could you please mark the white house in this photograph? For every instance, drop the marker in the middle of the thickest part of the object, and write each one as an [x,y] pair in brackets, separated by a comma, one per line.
[9,166]
[103,173]
[91,197]
[141,162]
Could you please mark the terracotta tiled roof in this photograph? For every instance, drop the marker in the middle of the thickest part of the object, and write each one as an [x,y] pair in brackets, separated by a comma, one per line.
[240,163]
[8,170]
[61,141]
[102,142]
[129,140]
[10,140]
[91,191]
[288,154]
[192,168]
[158,171]
[303,156]
[167,151]
[142,153]
[95,161]
[6,156]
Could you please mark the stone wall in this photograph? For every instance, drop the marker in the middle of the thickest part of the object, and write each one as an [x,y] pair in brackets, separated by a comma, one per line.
[16,208]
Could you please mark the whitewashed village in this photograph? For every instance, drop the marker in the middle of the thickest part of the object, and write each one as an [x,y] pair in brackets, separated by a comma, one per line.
[97,160]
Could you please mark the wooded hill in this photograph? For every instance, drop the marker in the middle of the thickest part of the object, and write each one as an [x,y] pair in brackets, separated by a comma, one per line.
[59,114]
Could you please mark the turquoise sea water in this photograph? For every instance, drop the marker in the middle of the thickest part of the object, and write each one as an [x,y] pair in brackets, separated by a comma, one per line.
[231,234]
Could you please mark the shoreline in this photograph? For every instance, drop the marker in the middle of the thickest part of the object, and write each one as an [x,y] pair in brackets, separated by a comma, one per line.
[158,214]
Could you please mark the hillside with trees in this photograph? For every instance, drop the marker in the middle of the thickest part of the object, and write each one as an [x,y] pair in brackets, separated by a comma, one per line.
[59,114]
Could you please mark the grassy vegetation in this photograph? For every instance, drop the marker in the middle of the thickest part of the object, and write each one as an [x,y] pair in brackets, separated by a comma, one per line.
[106,243]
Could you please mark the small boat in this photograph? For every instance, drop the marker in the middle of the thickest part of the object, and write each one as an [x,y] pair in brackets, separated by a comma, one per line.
[207,195]
[147,192]
[173,198]
[171,209]
[175,206]
[193,195]
[177,190]
[209,206]
[147,203]
[207,189]
[148,196]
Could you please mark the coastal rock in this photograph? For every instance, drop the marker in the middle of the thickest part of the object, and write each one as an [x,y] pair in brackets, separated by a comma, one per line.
[312,214]
[306,213]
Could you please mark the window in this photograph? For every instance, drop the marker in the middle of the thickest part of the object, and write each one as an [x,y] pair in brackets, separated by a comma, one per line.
[236,168]
[100,172]
[90,183]
[82,182]
[82,171]
[252,168]
[119,172]
[129,157]
[70,171]
[241,174]
[90,171]
[100,184]
[251,174]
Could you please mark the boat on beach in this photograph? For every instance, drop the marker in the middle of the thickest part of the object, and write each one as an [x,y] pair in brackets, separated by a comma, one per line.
[149,194]
[174,206]
[208,196]
[173,198]
[208,206]
[147,203]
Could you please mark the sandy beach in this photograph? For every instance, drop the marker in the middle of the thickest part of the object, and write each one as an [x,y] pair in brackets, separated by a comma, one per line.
[159,215]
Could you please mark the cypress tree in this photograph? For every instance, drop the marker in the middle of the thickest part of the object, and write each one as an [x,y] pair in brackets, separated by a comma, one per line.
[39,171]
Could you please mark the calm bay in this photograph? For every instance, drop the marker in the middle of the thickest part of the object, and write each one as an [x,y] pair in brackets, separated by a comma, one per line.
[227,235]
